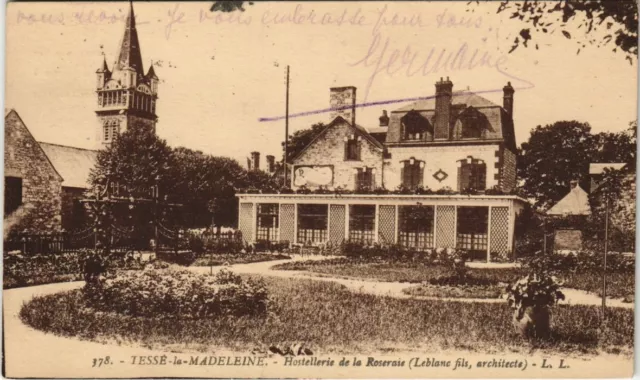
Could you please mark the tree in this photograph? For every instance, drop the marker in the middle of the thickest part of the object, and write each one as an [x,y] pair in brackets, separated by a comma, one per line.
[300,139]
[603,22]
[619,188]
[553,156]
[135,164]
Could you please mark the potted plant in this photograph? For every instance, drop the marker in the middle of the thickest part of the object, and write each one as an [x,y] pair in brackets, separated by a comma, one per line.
[531,299]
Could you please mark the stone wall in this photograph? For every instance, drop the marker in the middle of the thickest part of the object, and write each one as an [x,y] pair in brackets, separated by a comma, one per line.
[508,170]
[329,149]
[41,184]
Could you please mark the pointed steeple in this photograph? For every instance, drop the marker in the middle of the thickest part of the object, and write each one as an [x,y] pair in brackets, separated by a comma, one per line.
[104,68]
[151,73]
[130,55]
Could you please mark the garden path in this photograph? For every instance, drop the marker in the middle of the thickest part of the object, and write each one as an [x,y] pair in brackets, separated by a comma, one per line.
[32,353]
[392,289]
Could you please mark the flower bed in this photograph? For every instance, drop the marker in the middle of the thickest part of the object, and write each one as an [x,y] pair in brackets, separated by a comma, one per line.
[20,270]
[231,259]
[177,293]
[439,291]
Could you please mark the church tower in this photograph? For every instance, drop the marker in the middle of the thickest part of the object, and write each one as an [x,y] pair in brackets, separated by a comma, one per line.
[126,96]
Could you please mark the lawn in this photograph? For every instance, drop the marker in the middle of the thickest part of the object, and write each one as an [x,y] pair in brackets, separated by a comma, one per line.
[619,284]
[328,318]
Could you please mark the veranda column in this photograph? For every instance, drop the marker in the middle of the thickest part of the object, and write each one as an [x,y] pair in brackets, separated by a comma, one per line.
[387,224]
[445,226]
[337,220]
[499,229]
[247,221]
[287,222]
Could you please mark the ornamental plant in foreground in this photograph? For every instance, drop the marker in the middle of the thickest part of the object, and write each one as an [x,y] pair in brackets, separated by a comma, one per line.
[531,299]
[177,293]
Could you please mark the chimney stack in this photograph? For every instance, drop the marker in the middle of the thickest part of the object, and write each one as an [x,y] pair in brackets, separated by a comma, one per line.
[255,161]
[507,100]
[384,119]
[444,90]
[342,102]
[271,164]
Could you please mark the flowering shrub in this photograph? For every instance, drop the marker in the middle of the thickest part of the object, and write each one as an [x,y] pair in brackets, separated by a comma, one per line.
[582,261]
[536,290]
[177,293]
[20,270]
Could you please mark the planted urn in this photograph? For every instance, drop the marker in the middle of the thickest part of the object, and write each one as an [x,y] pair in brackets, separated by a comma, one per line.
[532,298]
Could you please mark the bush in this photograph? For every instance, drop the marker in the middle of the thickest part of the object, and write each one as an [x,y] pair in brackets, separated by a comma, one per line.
[177,293]
[184,258]
[20,270]
[581,261]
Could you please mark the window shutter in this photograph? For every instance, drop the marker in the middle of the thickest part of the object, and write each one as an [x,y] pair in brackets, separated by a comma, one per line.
[460,179]
[420,174]
[358,149]
[403,178]
[346,150]
[356,182]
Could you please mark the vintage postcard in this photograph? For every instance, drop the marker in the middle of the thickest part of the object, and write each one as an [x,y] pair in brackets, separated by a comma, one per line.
[234,189]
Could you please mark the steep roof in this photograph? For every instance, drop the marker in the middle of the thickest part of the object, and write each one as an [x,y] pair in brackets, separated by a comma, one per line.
[335,122]
[73,164]
[130,54]
[574,203]
[463,97]
[599,167]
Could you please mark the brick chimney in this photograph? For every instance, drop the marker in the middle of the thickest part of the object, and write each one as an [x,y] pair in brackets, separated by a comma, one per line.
[384,119]
[255,161]
[343,103]
[507,99]
[271,164]
[444,89]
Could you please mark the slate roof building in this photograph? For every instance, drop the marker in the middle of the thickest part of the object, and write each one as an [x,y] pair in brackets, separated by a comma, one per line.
[448,155]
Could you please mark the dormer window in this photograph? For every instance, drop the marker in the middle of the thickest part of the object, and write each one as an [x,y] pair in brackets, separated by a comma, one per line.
[352,148]
[471,124]
[412,172]
[416,127]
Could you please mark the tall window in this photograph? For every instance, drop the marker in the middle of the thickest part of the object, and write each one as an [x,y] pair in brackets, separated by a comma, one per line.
[416,127]
[312,223]
[365,179]
[268,222]
[362,223]
[111,128]
[472,174]
[415,226]
[472,227]
[351,149]
[412,172]
[12,194]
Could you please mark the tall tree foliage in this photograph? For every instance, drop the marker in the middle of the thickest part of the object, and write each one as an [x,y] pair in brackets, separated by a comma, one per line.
[561,152]
[553,156]
[134,163]
[602,23]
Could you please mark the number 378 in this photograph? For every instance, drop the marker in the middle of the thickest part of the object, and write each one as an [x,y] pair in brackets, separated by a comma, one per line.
[99,362]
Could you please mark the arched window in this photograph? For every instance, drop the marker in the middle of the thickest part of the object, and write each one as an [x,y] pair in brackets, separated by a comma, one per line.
[411,173]
[416,127]
[471,124]
[472,174]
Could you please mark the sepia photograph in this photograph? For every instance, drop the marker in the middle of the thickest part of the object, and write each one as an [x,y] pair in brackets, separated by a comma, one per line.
[321,189]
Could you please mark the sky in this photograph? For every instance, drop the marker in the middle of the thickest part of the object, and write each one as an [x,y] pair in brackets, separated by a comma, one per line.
[221,74]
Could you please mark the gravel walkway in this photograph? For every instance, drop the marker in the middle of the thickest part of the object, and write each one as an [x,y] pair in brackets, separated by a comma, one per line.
[392,289]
